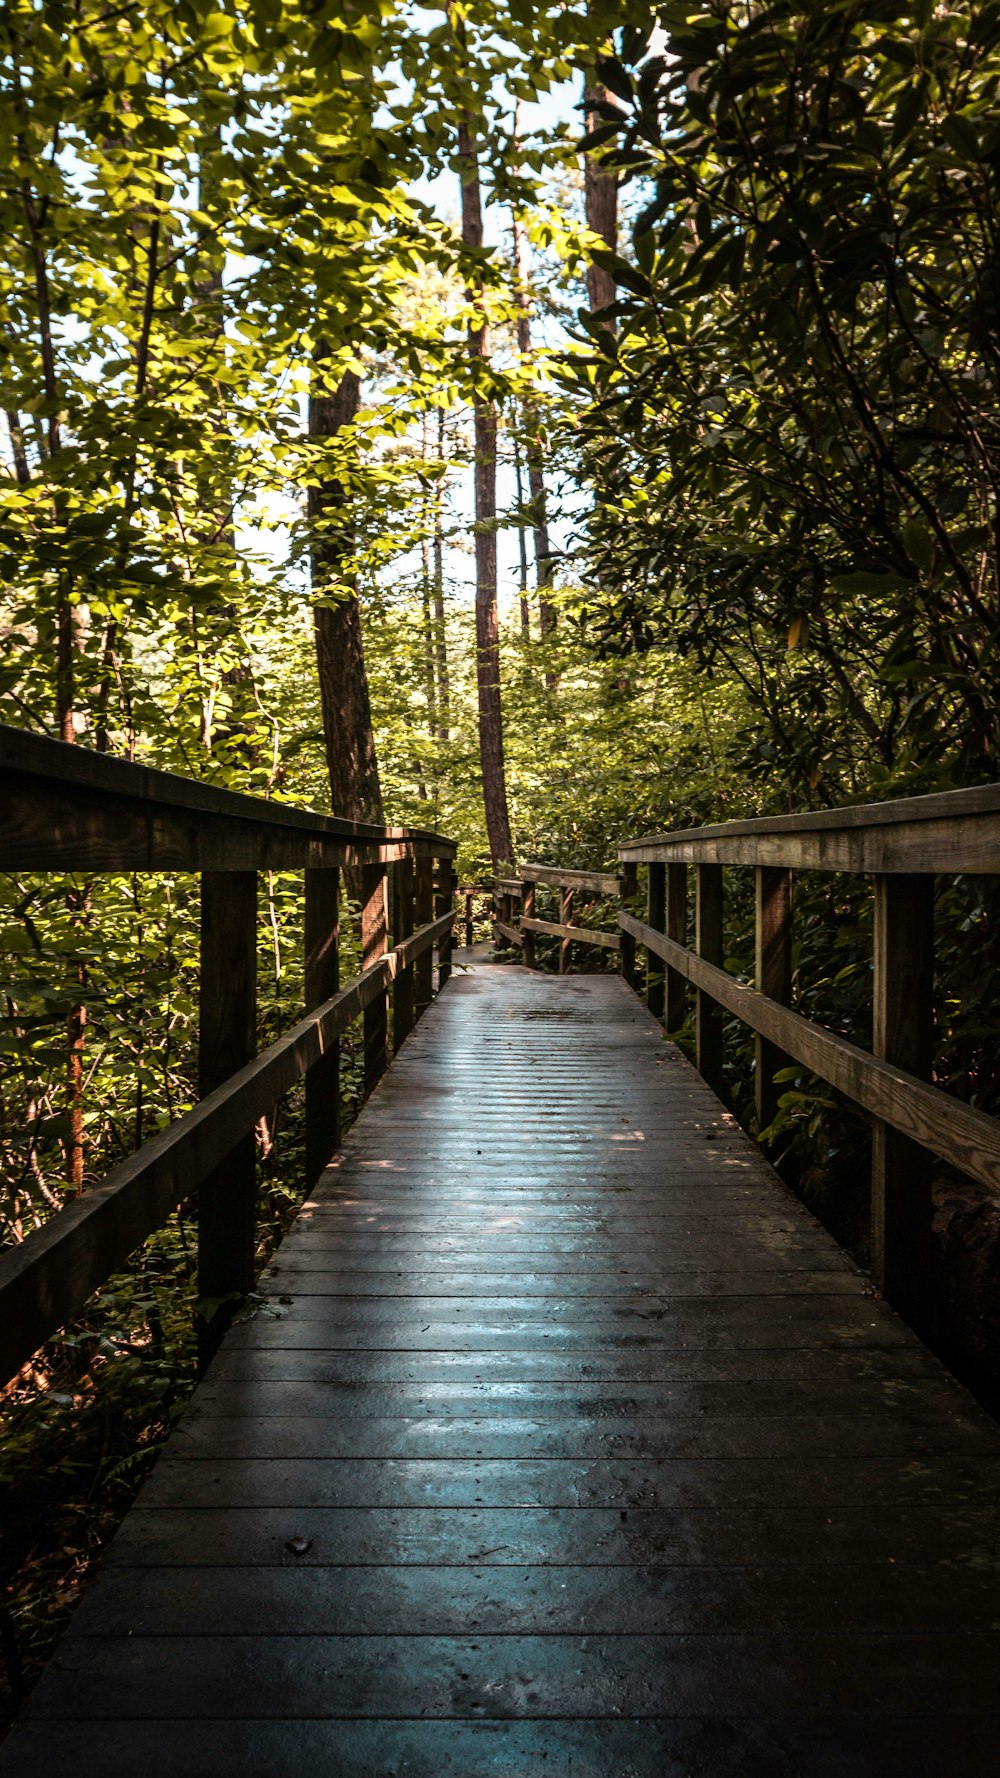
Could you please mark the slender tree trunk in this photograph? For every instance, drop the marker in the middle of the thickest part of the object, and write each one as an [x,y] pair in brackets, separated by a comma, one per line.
[440,634]
[430,688]
[536,473]
[355,789]
[491,745]
[522,546]
[600,198]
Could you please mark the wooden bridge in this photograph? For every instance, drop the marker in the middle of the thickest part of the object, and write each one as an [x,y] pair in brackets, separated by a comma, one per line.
[565,1442]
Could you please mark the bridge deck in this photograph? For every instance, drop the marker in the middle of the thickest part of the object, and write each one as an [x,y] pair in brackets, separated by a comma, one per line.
[568,1444]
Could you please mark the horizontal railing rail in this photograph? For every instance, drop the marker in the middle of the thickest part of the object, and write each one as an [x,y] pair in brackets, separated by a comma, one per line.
[64,809]
[901,846]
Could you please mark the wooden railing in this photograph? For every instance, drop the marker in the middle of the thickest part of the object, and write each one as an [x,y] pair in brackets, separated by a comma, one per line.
[509,892]
[65,808]
[902,846]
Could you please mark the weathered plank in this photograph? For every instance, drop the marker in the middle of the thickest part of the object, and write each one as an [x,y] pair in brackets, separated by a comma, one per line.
[69,808]
[955,830]
[584,935]
[602,882]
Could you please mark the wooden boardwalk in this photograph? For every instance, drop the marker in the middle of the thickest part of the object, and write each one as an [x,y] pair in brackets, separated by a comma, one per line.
[568,1444]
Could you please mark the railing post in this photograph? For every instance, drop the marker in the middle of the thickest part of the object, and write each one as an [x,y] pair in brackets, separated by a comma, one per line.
[322,942]
[565,919]
[528,938]
[656,916]
[903,1033]
[676,927]
[227,1040]
[373,946]
[708,942]
[773,972]
[468,920]
[402,927]
[423,913]
[444,901]
[629,881]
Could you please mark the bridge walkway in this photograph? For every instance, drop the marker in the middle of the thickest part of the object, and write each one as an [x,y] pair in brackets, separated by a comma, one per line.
[566,1443]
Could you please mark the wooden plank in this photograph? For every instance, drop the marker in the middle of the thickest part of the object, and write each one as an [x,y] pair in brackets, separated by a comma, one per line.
[423,912]
[510,933]
[403,1016]
[227,1039]
[444,895]
[584,935]
[374,924]
[566,922]
[527,935]
[603,882]
[656,915]
[629,886]
[46,1280]
[950,1129]
[903,1033]
[708,943]
[773,950]
[511,886]
[68,808]
[322,981]
[676,926]
[954,830]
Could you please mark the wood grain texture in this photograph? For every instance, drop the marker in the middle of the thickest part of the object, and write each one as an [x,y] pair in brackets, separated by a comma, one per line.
[602,882]
[552,1450]
[584,935]
[955,830]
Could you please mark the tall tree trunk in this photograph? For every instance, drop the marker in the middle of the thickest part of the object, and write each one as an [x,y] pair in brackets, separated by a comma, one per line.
[522,546]
[355,790]
[536,473]
[426,511]
[600,198]
[440,634]
[491,746]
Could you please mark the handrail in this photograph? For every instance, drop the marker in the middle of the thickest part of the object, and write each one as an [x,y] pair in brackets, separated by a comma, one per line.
[951,830]
[47,1278]
[63,808]
[902,845]
[68,808]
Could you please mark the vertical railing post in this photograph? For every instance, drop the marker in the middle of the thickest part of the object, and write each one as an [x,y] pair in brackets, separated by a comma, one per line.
[675,1010]
[903,1033]
[708,941]
[444,901]
[773,927]
[656,916]
[227,1040]
[423,913]
[528,938]
[402,927]
[565,919]
[373,946]
[469,934]
[322,944]
[628,882]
